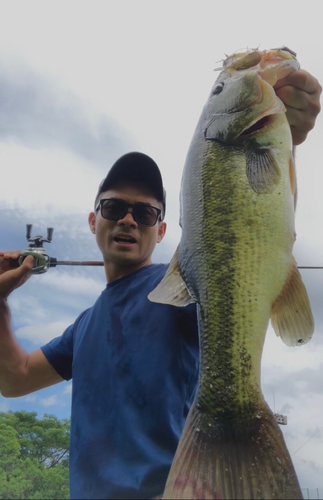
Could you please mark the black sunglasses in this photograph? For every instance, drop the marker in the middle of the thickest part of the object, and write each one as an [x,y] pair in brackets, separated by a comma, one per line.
[142,213]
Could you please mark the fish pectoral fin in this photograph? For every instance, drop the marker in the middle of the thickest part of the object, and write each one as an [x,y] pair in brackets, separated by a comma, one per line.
[262,169]
[291,314]
[172,289]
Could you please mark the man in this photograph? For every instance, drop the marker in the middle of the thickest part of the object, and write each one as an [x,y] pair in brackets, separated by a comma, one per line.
[134,363]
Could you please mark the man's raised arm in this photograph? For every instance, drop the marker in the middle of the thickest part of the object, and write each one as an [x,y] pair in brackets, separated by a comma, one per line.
[20,372]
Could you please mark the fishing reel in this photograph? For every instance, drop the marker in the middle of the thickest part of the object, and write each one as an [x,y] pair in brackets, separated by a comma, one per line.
[42,261]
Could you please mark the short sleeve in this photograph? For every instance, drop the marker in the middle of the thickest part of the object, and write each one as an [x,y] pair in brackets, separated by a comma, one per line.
[59,353]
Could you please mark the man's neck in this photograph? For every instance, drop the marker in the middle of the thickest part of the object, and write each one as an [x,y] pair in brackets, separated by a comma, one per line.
[114,272]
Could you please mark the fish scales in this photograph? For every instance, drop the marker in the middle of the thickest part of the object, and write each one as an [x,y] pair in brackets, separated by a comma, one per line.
[233,265]
[235,260]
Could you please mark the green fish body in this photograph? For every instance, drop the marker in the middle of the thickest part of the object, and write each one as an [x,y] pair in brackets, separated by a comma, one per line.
[235,261]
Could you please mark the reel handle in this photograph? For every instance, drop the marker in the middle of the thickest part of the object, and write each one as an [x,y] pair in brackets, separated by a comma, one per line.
[28,231]
[50,231]
[37,241]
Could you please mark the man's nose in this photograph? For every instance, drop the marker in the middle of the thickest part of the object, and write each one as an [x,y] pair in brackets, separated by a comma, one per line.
[128,219]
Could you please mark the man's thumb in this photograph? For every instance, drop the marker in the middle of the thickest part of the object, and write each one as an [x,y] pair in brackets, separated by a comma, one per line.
[26,265]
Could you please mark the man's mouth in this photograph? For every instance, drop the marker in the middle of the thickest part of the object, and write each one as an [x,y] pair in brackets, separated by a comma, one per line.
[125,239]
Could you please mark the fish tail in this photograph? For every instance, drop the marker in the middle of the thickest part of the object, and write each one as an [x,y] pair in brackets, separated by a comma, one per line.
[216,459]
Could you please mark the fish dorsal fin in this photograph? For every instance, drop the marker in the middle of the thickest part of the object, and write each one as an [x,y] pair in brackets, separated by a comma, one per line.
[172,288]
[291,313]
[262,169]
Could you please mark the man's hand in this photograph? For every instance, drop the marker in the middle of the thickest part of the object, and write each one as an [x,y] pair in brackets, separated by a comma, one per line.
[300,92]
[10,279]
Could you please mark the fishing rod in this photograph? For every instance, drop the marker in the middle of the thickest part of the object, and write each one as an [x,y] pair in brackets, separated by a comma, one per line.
[310,267]
[42,261]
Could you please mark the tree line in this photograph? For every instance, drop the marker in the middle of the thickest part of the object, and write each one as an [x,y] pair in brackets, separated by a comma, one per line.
[34,456]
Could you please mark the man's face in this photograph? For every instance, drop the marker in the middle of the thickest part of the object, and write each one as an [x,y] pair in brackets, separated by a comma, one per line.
[111,235]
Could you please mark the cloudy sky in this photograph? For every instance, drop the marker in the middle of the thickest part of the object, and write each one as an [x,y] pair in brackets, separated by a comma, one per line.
[82,83]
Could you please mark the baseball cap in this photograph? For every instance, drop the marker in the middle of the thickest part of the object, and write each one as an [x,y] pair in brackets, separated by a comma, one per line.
[136,167]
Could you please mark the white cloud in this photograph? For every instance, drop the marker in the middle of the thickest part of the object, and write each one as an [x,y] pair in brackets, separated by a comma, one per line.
[40,334]
[32,398]
[68,389]
[290,359]
[3,406]
[50,302]
[45,180]
[76,285]
[27,306]
[51,401]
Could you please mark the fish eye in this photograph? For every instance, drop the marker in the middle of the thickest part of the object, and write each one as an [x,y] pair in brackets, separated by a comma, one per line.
[218,88]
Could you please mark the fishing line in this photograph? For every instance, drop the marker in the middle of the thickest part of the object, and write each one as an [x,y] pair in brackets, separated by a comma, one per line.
[307,441]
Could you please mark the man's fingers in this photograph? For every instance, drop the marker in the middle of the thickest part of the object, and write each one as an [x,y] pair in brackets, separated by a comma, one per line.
[301,80]
[293,97]
[9,261]
[299,99]
[6,262]
[12,279]
[11,254]
[300,92]
[22,272]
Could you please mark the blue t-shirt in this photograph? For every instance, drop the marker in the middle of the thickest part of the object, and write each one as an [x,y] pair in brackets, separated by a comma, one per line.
[134,366]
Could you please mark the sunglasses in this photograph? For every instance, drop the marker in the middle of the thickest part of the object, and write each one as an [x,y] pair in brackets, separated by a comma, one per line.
[142,213]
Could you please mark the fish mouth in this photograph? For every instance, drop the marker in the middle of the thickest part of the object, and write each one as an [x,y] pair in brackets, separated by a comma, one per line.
[258,125]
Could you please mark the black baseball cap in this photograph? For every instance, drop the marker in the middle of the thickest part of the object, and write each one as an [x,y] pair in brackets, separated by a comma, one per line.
[136,167]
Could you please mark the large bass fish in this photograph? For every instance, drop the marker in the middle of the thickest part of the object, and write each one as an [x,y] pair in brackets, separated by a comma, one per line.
[235,260]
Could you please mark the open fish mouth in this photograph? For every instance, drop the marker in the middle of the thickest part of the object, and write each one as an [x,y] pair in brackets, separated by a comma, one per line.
[259,125]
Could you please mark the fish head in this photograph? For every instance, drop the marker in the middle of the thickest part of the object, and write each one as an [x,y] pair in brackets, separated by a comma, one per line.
[243,94]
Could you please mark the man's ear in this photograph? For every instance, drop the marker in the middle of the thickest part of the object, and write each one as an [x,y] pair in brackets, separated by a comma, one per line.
[92,219]
[161,231]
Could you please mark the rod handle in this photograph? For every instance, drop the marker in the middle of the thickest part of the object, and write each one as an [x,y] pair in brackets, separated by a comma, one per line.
[9,263]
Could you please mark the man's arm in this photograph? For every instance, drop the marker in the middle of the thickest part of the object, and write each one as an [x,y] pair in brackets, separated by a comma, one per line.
[20,372]
[300,92]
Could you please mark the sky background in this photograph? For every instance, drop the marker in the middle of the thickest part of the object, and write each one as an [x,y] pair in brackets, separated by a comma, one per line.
[82,83]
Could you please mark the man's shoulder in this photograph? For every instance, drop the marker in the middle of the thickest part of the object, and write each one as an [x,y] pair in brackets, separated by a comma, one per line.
[156,270]
[152,275]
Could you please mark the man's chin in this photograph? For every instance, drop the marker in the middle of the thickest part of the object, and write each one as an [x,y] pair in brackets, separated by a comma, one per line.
[124,259]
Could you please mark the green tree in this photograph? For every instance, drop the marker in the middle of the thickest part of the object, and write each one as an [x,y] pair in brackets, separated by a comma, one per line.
[33,456]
